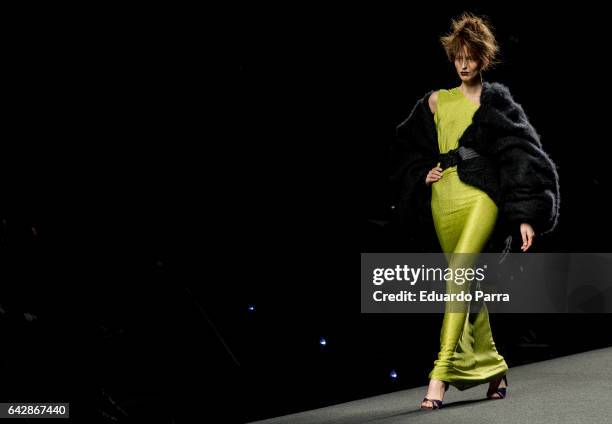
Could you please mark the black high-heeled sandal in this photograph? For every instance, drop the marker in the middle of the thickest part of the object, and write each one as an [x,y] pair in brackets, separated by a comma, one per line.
[501,391]
[435,403]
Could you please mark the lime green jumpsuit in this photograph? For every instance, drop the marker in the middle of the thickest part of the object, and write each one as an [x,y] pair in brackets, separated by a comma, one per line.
[464,217]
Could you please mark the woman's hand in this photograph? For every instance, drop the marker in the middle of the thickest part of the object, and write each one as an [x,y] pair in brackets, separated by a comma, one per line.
[433,175]
[527,234]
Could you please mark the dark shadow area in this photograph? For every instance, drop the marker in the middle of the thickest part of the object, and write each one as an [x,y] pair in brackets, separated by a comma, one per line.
[186,195]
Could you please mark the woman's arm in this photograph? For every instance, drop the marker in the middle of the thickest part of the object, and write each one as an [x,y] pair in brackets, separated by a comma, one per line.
[529,182]
[414,151]
[412,155]
[527,235]
[433,102]
[529,185]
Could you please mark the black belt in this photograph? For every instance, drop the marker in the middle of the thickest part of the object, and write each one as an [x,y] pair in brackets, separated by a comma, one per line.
[453,157]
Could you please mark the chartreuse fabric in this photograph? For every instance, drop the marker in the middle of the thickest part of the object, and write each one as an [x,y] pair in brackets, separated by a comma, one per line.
[464,218]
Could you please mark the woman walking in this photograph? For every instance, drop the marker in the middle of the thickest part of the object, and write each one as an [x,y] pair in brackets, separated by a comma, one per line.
[468,156]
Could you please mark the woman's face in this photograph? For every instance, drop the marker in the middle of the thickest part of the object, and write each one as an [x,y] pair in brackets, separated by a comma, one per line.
[467,66]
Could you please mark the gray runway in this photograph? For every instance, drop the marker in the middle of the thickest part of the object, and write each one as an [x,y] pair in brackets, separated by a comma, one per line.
[571,389]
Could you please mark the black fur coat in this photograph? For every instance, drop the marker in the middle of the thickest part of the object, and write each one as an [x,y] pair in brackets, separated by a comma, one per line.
[513,169]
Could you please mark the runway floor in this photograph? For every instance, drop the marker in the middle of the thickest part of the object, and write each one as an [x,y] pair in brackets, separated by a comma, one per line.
[571,389]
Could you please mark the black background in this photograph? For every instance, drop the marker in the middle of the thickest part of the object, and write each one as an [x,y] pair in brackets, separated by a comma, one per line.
[348,92]
[162,170]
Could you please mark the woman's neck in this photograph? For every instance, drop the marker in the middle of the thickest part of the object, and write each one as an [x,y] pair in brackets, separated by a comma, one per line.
[471,88]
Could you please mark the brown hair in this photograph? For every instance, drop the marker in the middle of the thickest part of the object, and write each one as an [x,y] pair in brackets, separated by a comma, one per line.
[476,33]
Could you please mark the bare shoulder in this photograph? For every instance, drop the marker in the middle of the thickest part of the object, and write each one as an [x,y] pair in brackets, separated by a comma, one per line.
[433,101]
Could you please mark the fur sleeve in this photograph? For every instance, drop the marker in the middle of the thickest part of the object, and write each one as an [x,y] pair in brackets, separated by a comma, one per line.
[412,156]
[529,181]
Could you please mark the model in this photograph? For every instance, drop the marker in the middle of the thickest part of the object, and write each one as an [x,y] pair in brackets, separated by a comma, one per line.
[466,157]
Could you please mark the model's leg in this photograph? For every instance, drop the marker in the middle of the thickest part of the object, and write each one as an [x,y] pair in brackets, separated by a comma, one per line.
[467,354]
[454,331]
[450,214]
[449,217]
[490,365]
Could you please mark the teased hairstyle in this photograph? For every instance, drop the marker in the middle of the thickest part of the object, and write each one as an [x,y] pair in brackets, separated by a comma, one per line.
[476,33]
